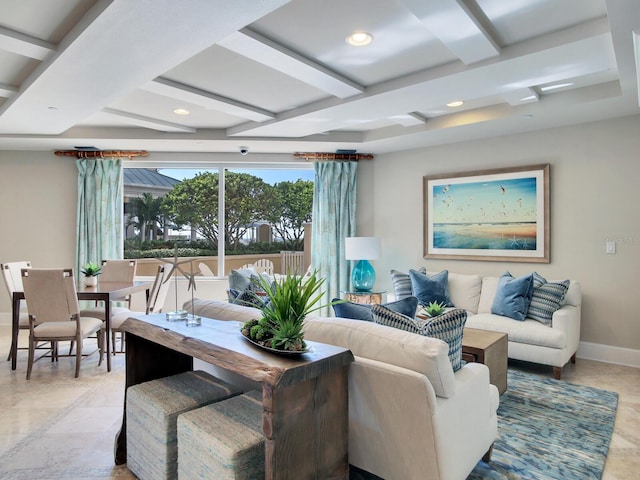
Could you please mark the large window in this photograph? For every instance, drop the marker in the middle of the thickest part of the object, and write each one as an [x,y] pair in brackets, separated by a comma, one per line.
[218,212]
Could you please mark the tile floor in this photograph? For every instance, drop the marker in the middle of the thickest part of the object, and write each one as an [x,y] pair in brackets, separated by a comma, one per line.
[58,427]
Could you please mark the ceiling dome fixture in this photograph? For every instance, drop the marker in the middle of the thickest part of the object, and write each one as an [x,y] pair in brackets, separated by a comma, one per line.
[359,39]
[181,111]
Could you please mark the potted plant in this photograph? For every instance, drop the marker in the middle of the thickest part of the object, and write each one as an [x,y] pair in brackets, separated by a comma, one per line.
[434,309]
[91,271]
[288,301]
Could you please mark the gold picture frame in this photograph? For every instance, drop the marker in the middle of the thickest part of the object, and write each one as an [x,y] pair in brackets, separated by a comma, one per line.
[493,215]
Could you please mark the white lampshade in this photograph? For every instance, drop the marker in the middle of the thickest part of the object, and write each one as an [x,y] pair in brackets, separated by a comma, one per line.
[362,248]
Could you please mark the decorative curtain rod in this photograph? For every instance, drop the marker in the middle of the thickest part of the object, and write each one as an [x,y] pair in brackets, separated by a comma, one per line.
[333,156]
[101,153]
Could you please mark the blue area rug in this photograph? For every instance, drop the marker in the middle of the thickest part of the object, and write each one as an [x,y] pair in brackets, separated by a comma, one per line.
[550,429]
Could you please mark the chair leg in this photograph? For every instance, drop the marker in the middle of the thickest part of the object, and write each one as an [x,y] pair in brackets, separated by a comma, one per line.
[71,347]
[32,352]
[113,343]
[101,335]
[78,356]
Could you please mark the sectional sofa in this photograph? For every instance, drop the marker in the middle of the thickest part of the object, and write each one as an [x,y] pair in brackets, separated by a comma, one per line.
[528,339]
[410,416]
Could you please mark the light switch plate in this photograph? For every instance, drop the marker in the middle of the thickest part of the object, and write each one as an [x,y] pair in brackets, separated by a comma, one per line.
[611,247]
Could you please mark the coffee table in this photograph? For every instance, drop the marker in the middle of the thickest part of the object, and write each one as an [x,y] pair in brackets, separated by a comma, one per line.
[490,349]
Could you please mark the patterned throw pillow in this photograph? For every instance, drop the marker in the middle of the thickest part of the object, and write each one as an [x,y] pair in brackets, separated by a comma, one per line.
[386,316]
[513,296]
[357,311]
[448,327]
[546,299]
[429,289]
[402,283]
[247,298]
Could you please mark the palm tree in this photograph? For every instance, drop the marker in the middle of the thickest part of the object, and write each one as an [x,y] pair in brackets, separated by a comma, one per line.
[148,210]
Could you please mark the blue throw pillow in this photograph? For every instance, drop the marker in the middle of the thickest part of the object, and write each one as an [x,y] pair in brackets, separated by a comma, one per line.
[546,299]
[513,296]
[358,311]
[352,310]
[431,289]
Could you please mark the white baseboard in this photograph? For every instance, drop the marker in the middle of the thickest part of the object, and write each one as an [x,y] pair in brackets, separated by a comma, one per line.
[586,350]
[609,354]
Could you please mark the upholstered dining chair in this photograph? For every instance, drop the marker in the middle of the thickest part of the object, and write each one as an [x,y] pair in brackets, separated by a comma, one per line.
[113,271]
[13,281]
[54,315]
[155,302]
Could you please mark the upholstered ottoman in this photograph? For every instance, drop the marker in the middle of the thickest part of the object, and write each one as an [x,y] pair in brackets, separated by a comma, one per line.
[223,440]
[152,411]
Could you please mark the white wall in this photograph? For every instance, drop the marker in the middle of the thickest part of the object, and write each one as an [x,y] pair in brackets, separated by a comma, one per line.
[38,197]
[595,170]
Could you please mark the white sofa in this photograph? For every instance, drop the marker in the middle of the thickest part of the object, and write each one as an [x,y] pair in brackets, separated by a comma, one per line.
[410,416]
[529,340]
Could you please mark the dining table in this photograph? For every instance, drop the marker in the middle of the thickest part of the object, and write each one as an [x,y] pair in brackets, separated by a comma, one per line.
[106,292]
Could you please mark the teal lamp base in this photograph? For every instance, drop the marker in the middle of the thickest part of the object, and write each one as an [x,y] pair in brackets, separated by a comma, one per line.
[363,276]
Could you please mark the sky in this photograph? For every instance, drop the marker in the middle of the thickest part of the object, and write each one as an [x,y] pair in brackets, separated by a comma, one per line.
[269,176]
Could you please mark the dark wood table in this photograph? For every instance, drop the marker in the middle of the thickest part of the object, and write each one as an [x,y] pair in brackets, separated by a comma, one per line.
[305,397]
[104,291]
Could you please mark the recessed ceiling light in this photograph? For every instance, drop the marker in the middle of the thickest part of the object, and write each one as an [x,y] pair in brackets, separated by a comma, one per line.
[457,103]
[359,39]
[553,87]
[526,99]
[181,111]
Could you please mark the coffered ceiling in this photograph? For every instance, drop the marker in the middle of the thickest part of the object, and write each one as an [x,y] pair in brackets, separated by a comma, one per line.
[279,76]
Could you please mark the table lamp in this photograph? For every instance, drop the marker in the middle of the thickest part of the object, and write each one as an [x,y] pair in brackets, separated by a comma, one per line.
[362,249]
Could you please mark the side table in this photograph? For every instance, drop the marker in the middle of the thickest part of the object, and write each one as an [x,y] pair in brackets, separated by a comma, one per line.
[489,348]
[364,298]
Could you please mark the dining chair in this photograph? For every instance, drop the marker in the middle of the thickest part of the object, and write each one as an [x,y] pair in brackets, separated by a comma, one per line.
[113,271]
[54,315]
[155,303]
[13,281]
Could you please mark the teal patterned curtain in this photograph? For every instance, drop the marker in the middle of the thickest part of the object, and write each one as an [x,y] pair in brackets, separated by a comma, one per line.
[334,218]
[100,211]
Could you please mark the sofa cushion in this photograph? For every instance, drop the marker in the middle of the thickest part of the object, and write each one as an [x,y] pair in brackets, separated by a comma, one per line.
[487,293]
[513,296]
[429,289]
[528,331]
[424,355]
[464,290]
[240,279]
[402,283]
[448,327]
[546,299]
[357,311]
[220,310]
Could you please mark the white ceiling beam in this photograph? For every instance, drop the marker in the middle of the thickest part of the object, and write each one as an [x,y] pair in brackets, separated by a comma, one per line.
[196,96]
[267,52]
[147,122]
[24,45]
[521,96]
[590,54]
[7,91]
[457,27]
[408,119]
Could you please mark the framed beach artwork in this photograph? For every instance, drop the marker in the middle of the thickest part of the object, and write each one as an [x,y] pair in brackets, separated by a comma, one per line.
[497,215]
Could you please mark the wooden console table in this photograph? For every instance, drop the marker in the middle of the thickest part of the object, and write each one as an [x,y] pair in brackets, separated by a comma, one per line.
[305,397]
